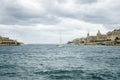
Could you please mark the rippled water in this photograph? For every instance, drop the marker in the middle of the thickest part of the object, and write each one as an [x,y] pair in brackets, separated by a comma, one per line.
[49,62]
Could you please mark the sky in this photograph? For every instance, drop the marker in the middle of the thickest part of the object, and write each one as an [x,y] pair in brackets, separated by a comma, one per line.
[45,21]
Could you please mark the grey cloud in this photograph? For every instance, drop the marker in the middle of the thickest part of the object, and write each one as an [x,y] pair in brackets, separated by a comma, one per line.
[104,13]
[85,1]
[14,13]
[61,1]
[99,12]
[110,27]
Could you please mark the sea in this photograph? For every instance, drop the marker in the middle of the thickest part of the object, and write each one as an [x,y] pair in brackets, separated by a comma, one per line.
[50,62]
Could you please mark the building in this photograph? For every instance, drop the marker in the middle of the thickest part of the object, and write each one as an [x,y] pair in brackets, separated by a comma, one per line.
[113,35]
[4,41]
[98,39]
[110,38]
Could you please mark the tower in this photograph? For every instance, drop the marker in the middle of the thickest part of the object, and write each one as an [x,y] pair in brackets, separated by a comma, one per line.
[87,39]
[88,34]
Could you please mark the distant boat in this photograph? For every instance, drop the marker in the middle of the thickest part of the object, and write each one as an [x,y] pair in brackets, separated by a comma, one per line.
[60,44]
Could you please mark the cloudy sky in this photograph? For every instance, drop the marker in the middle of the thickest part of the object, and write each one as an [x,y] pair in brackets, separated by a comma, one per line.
[44,21]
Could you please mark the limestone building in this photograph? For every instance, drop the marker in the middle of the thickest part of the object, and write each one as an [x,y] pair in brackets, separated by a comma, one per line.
[113,35]
[111,38]
[6,41]
[98,38]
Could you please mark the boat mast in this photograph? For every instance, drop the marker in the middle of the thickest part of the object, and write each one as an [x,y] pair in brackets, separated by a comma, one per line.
[60,40]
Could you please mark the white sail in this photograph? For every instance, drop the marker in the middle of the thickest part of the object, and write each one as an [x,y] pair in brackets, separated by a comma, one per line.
[60,44]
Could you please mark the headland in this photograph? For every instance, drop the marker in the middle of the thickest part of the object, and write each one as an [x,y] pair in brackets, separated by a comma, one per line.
[111,38]
[6,41]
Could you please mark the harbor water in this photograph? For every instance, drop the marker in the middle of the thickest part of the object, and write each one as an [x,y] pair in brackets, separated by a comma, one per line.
[50,62]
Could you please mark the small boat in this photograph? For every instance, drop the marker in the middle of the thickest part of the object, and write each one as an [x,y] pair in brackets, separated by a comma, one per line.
[60,45]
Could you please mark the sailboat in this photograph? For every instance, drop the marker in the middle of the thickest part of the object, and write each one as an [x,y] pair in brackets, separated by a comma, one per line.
[60,45]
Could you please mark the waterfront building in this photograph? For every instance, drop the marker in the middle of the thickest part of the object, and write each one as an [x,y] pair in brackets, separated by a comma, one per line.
[7,41]
[111,38]
[114,35]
